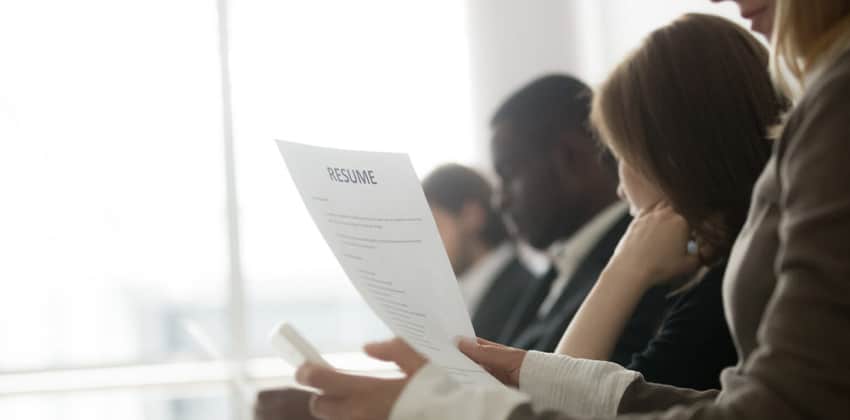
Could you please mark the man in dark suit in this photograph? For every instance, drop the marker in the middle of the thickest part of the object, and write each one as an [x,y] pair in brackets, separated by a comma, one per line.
[559,193]
[492,278]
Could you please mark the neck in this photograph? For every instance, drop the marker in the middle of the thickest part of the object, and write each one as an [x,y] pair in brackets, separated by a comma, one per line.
[477,251]
[474,252]
[603,196]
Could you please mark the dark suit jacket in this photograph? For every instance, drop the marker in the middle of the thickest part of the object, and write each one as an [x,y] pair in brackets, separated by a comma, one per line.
[526,330]
[495,307]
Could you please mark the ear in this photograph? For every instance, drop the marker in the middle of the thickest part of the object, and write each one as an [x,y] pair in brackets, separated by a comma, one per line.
[577,158]
[563,159]
[472,217]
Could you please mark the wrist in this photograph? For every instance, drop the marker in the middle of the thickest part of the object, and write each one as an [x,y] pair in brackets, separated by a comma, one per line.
[515,373]
[638,276]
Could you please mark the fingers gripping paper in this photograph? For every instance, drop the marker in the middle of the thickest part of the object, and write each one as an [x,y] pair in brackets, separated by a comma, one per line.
[371,210]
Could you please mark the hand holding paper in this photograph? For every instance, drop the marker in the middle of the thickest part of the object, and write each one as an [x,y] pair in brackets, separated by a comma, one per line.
[371,210]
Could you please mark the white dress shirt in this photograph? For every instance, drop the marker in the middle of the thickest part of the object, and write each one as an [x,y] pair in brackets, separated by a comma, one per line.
[476,280]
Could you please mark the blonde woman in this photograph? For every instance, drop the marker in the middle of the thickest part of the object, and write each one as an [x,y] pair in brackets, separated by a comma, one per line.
[787,285]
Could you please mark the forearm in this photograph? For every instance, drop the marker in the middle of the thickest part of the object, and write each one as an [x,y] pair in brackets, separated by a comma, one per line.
[600,320]
[553,382]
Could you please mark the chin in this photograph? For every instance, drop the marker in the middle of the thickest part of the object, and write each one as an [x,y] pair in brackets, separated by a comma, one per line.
[538,242]
[763,22]
[764,27]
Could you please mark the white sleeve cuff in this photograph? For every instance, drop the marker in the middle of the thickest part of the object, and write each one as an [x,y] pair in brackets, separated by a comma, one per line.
[432,394]
[580,387]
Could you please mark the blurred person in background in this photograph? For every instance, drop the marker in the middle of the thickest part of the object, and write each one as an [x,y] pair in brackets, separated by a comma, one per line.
[484,258]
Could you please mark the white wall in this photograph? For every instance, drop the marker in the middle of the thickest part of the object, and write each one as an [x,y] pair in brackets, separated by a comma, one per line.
[512,41]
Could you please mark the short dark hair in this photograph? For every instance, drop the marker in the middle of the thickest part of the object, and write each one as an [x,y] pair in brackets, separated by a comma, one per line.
[451,186]
[547,107]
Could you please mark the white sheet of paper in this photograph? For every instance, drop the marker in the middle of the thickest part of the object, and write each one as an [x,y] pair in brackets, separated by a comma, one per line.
[383,234]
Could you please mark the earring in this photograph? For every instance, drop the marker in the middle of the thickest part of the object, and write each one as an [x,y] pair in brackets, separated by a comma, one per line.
[693,247]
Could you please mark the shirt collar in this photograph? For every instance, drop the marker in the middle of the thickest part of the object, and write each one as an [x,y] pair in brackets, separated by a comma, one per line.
[564,253]
[476,280]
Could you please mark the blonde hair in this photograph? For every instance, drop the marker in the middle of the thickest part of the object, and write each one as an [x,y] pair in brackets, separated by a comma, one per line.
[805,36]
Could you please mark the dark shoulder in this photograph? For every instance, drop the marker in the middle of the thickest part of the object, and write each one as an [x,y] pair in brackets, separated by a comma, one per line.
[708,284]
[715,272]
[517,272]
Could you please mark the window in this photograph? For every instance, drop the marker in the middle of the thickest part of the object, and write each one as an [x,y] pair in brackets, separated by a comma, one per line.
[110,170]
[370,75]
[115,223]
[204,403]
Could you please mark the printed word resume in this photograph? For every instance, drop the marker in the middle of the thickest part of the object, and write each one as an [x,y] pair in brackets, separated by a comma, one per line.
[370,209]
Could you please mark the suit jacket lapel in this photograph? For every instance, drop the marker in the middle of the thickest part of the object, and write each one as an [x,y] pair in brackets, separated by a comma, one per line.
[579,285]
[526,310]
[496,306]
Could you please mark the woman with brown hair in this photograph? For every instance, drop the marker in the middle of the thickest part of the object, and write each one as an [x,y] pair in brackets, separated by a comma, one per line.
[787,283]
[688,129]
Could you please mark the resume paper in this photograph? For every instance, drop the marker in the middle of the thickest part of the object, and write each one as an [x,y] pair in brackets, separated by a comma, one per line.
[370,208]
